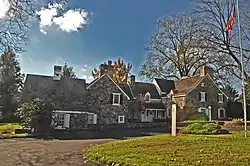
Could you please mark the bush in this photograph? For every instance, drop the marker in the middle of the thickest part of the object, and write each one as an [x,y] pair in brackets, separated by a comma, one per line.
[37,114]
[199,128]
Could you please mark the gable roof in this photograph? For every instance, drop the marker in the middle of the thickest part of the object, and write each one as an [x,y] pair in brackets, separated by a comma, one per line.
[123,90]
[127,90]
[36,86]
[142,88]
[165,85]
[185,85]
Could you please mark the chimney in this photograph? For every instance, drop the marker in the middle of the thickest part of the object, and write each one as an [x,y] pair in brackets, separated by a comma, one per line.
[57,72]
[206,70]
[109,62]
[131,79]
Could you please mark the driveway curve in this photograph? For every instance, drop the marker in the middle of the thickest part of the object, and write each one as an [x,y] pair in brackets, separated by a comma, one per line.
[32,152]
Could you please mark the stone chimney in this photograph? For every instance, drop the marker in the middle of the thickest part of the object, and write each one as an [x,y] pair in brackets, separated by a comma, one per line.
[109,62]
[206,70]
[131,79]
[57,72]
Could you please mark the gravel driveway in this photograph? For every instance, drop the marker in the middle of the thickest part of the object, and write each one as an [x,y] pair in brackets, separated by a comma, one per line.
[31,152]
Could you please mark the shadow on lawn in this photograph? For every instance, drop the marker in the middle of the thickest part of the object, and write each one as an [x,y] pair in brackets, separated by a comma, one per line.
[114,134]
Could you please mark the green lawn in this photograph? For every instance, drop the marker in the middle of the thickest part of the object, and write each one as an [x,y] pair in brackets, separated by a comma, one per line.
[169,150]
[10,128]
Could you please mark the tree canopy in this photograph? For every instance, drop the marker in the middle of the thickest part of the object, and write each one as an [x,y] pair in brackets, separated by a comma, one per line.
[177,48]
[68,71]
[15,24]
[11,83]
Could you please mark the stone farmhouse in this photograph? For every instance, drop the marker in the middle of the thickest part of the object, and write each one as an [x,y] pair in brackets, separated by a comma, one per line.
[78,104]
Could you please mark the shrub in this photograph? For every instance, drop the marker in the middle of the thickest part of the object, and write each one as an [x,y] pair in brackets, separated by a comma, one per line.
[36,114]
[199,128]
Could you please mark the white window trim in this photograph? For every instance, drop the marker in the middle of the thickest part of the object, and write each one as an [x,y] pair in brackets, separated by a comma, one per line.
[123,119]
[220,94]
[203,99]
[219,115]
[119,98]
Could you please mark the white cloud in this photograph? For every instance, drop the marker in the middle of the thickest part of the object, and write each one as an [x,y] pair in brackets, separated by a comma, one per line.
[67,21]
[84,70]
[4,7]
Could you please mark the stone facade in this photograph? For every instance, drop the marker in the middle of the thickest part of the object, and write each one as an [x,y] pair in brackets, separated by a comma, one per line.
[99,102]
[78,121]
[190,102]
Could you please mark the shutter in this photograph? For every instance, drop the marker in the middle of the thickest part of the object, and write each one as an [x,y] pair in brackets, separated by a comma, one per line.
[205,96]
[200,96]
[121,99]
[66,120]
[217,97]
[95,119]
[223,98]
[111,98]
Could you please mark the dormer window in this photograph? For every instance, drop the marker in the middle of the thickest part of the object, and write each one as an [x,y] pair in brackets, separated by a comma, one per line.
[147,97]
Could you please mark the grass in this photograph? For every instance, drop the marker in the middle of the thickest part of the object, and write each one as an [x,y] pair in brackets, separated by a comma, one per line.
[197,117]
[169,150]
[9,128]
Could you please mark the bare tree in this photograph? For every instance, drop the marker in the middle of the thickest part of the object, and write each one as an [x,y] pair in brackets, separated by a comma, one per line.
[177,49]
[16,22]
[215,15]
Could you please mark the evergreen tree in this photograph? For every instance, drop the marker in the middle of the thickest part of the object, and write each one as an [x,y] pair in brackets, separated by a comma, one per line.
[11,82]
[68,71]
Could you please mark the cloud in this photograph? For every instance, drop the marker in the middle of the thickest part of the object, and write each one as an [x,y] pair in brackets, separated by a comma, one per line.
[4,7]
[68,21]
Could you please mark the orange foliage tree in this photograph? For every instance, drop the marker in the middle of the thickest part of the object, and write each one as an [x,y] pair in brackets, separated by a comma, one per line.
[118,71]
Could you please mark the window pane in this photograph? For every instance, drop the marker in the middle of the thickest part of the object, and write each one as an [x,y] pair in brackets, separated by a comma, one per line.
[116,99]
[221,113]
[60,119]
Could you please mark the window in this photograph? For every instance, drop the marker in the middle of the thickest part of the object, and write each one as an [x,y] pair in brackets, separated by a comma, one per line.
[90,118]
[60,119]
[116,98]
[202,96]
[220,98]
[121,119]
[202,84]
[221,113]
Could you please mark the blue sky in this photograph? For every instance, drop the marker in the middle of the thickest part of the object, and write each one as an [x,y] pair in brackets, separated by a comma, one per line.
[115,29]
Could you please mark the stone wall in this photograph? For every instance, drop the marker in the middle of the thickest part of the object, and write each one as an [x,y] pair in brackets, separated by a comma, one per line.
[78,121]
[99,102]
[211,100]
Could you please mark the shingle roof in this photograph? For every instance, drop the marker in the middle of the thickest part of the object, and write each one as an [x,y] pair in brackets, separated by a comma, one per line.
[165,85]
[127,90]
[142,88]
[66,90]
[184,85]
